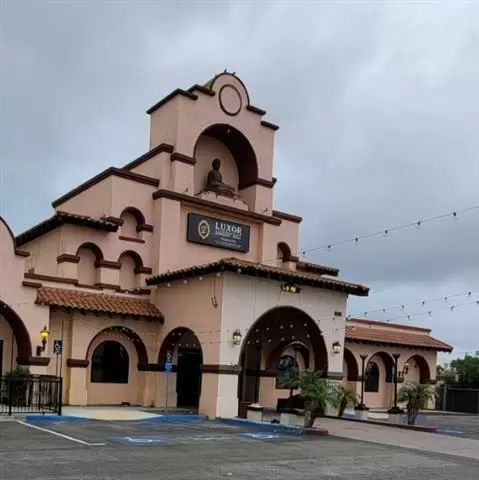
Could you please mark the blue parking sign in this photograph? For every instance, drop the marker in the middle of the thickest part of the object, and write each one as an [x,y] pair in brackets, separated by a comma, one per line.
[168,363]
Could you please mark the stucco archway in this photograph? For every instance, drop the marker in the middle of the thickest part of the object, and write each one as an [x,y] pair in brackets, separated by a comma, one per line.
[418,362]
[352,368]
[20,333]
[110,345]
[264,343]
[131,335]
[240,148]
[187,359]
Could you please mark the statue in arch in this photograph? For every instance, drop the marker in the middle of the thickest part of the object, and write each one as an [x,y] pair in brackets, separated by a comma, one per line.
[214,181]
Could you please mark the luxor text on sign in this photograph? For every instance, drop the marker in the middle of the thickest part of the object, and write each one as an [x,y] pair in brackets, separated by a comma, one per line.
[218,233]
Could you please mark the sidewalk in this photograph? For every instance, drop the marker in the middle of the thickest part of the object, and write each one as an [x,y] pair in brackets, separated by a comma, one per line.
[428,442]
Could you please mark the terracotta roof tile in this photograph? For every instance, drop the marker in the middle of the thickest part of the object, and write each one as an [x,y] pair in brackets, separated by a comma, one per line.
[97,302]
[256,269]
[61,218]
[372,334]
[316,268]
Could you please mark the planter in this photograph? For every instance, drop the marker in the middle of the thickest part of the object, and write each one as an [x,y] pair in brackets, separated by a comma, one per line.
[331,411]
[287,416]
[255,413]
[243,409]
[395,415]
[361,412]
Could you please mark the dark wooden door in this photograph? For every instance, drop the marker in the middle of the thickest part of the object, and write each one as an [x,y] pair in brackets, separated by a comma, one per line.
[188,378]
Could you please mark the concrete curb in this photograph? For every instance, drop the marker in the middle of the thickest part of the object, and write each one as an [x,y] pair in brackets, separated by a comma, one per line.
[71,418]
[274,427]
[56,418]
[418,428]
[174,418]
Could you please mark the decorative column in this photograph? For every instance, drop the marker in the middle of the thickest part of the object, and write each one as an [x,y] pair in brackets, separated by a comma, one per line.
[361,409]
[395,412]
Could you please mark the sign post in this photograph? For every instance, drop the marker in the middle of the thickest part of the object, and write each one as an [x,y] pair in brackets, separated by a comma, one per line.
[57,350]
[168,370]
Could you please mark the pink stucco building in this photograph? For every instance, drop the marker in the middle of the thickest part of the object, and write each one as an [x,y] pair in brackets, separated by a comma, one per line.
[168,257]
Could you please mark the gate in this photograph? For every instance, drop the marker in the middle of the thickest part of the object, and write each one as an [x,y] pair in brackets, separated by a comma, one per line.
[30,394]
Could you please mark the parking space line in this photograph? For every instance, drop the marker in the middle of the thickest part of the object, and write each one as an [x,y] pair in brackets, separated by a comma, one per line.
[67,437]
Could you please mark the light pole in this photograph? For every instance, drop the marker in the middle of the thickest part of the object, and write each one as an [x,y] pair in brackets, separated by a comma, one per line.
[361,409]
[395,410]
[363,372]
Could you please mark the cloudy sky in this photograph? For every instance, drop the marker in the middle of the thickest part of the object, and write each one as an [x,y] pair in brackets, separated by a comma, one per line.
[378,104]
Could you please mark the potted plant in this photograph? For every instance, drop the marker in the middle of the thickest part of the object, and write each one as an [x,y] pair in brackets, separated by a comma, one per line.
[361,411]
[415,395]
[17,387]
[318,394]
[346,397]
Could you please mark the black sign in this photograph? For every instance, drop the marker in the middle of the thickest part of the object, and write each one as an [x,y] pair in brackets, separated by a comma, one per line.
[57,347]
[218,233]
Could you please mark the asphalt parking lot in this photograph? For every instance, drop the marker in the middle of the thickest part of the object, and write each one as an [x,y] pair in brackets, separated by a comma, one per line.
[464,426]
[204,450]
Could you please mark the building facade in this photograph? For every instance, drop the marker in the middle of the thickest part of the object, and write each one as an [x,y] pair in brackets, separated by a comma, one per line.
[179,258]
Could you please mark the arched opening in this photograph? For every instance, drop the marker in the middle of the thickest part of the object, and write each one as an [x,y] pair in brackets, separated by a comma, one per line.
[417,369]
[371,382]
[266,341]
[90,256]
[130,262]
[242,154]
[351,370]
[132,220]
[115,355]
[110,363]
[17,345]
[183,347]
[283,253]
[287,370]
[118,331]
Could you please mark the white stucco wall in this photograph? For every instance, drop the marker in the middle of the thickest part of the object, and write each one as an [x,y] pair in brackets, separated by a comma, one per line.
[245,299]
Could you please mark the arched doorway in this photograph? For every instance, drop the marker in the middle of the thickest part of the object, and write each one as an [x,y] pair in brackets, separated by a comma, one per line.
[378,380]
[183,346]
[110,363]
[266,341]
[16,348]
[350,366]
[417,369]
[115,355]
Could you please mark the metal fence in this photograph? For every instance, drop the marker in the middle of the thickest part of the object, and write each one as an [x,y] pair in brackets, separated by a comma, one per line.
[30,394]
[458,399]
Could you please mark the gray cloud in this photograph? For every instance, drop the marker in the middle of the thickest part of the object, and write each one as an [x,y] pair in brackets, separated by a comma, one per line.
[377,104]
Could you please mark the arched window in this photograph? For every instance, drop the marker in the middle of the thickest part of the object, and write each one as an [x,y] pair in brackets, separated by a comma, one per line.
[287,370]
[90,254]
[132,219]
[371,383]
[110,363]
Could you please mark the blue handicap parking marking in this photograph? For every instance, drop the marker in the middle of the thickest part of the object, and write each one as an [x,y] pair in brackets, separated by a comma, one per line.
[140,440]
[261,435]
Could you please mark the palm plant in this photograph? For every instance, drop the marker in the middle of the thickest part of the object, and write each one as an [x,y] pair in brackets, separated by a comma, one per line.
[346,396]
[415,395]
[318,393]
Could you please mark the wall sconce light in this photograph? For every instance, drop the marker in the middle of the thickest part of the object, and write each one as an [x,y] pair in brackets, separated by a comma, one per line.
[43,335]
[237,337]
[336,347]
[406,368]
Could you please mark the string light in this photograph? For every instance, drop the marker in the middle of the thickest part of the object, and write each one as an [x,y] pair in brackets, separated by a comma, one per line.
[383,232]
[423,303]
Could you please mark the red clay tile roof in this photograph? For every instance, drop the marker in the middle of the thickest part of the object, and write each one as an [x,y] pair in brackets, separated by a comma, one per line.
[259,270]
[97,302]
[61,218]
[316,268]
[375,323]
[370,334]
